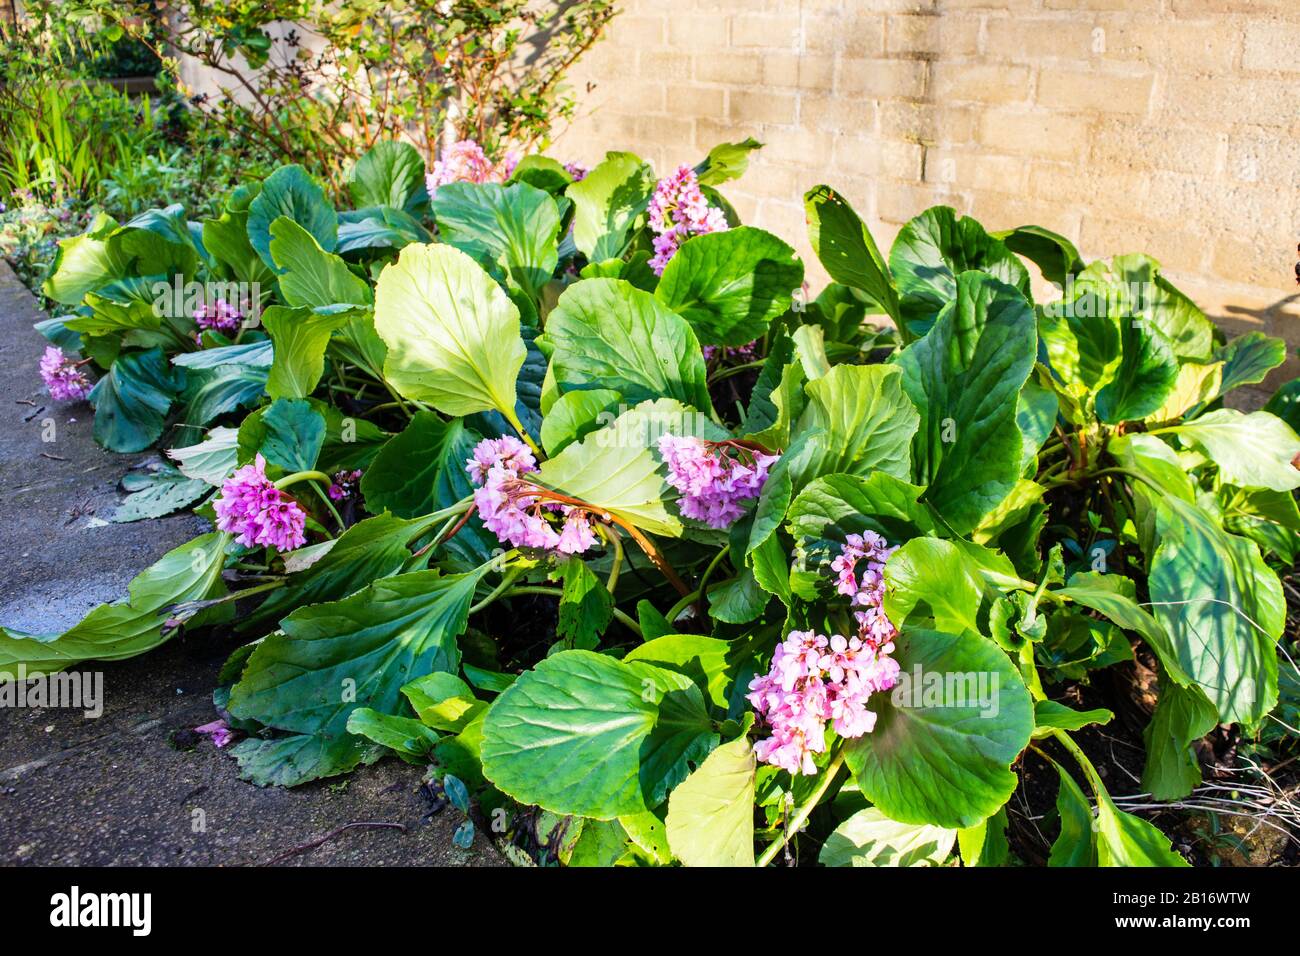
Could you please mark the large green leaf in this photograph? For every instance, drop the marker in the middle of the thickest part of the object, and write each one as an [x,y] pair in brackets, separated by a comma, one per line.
[1248,359]
[112,632]
[726,161]
[869,838]
[606,333]
[731,285]
[291,191]
[574,414]
[370,549]
[965,379]
[226,239]
[835,506]
[390,173]
[1135,289]
[401,478]
[932,250]
[1183,715]
[1126,840]
[936,576]
[1146,375]
[578,734]
[1222,606]
[1056,257]
[85,263]
[1075,845]
[293,434]
[618,468]
[452,334]
[846,249]
[607,203]
[299,758]
[132,400]
[1252,451]
[946,736]
[711,814]
[310,276]
[330,659]
[511,231]
[862,420]
[301,338]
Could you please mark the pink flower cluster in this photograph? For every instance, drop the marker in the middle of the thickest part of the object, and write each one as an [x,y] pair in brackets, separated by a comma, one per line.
[714,478]
[257,512]
[514,510]
[465,162]
[218,316]
[344,484]
[815,679]
[62,376]
[860,575]
[677,211]
[577,171]
[218,730]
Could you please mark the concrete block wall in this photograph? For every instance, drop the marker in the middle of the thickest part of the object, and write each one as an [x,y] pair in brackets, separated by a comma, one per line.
[1170,127]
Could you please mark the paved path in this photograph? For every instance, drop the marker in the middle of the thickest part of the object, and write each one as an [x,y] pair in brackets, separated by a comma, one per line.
[119,789]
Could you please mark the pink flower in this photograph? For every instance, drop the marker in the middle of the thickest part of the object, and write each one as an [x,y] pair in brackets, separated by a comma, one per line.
[257,512]
[715,478]
[62,376]
[677,211]
[218,730]
[465,162]
[728,353]
[344,484]
[219,316]
[516,510]
[577,171]
[860,575]
[814,679]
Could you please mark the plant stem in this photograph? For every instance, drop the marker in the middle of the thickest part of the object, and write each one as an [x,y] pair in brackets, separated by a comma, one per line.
[798,820]
[610,535]
[298,476]
[507,580]
[700,591]
[627,621]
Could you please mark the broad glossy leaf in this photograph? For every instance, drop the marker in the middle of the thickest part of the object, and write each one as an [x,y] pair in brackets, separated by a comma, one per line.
[452,334]
[1222,606]
[1127,840]
[711,814]
[575,414]
[1183,715]
[1147,373]
[731,285]
[937,577]
[965,379]
[300,758]
[607,202]
[606,333]
[157,494]
[846,249]
[1075,846]
[85,263]
[405,736]
[358,652]
[132,400]
[586,607]
[866,423]
[702,659]
[213,392]
[869,838]
[1248,359]
[390,173]
[310,276]
[1144,294]
[293,434]
[936,247]
[401,478]
[1056,257]
[1252,451]
[835,506]
[211,459]
[726,161]
[1050,715]
[576,734]
[291,191]
[301,338]
[512,231]
[944,761]
[112,632]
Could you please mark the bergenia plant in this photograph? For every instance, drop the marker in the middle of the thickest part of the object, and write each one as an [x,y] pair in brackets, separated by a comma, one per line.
[564,488]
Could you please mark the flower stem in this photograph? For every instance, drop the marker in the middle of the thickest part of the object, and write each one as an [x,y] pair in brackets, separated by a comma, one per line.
[610,535]
[797,821]
[298,476]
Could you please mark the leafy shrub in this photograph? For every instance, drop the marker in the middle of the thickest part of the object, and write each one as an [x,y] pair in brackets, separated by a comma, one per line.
[318,83]
[668,566]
